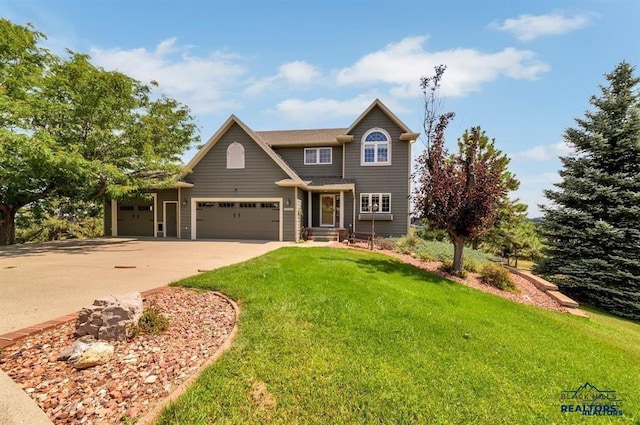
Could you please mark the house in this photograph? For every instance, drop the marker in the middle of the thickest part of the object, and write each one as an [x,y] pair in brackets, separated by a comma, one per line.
[274,185]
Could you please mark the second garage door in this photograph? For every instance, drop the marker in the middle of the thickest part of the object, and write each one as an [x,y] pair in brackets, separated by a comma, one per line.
[238,220]
[135,218]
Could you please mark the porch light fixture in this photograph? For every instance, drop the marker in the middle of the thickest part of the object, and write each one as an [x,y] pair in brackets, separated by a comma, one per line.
[184,203]
[287,202]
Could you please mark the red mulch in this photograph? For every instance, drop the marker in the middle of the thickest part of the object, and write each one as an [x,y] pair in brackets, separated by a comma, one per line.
[529,293]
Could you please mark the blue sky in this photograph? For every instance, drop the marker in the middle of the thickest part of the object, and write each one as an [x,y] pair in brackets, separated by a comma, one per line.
[522,70]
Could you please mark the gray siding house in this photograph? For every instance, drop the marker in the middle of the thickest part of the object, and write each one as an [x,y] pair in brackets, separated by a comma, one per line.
[279,185]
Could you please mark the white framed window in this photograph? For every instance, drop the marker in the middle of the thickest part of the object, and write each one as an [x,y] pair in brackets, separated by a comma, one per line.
[376,147]
[235,156]
[382,200]
[314,156]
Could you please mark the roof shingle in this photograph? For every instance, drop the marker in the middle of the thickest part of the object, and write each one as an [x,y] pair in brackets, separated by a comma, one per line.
[314,137]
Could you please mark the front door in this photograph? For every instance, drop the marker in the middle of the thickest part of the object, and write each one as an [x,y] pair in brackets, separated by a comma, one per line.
[171,219]
[327,210]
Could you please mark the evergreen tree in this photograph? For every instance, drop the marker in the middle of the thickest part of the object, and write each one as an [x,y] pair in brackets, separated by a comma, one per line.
[592,227]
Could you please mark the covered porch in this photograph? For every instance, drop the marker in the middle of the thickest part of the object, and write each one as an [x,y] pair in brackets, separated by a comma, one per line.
[327,207]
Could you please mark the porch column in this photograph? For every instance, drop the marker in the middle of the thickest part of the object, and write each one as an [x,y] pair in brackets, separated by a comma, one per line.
[309,210]
[342,209]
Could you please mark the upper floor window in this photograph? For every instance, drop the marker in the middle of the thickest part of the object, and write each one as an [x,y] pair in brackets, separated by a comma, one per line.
[317,156]
[235,156]
[376,147]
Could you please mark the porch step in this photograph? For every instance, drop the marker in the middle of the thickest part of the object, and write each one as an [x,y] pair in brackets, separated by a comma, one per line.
[317,238]
[325,234]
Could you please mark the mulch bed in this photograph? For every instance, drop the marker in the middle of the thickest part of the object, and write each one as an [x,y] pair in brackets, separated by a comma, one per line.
[148,368]
[529,293]
[141,372]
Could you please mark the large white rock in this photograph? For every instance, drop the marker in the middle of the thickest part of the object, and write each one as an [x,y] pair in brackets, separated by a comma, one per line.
[73,352]
[109,317]
[97,353]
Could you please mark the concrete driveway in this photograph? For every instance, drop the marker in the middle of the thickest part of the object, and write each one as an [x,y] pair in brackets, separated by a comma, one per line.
[45,281]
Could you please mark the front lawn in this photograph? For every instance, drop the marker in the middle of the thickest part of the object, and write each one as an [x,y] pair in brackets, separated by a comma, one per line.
[345,336]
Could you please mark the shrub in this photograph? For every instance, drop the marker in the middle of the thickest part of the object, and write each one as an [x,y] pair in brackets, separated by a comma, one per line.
[152,322]
[447,267]
[386,244]
[425,256]
[497,276]
[408,243]
[471,265]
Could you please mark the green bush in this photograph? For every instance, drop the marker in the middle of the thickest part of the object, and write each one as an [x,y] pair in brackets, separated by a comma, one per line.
[152,322]
[497,276]
[386,244]
[471,265]
[447,267]
[425,256]
[408,243]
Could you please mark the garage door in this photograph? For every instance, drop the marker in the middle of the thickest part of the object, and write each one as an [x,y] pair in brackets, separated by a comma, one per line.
[238,220]
[135,218]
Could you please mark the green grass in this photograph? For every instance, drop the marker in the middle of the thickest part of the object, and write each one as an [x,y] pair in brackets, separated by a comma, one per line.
[349,337]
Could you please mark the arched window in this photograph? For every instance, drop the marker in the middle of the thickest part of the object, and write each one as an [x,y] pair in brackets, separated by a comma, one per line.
[235,156]
[376,147]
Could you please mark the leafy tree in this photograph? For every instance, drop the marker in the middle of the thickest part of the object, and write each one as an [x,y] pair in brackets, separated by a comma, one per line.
[592,227]
[460,192]
[71,129]
[59,218]
[431,232]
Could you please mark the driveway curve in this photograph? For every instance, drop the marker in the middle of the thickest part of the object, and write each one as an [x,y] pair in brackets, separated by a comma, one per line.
[45,281]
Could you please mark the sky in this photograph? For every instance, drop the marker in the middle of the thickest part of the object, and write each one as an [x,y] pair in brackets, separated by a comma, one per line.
[523,70]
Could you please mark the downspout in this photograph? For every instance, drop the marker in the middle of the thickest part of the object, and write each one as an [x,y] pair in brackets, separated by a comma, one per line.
[178,212]
[296,227]
[309,210]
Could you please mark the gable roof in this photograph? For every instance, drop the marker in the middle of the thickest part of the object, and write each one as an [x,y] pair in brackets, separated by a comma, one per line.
[222,131]
[298,138]
[378,103]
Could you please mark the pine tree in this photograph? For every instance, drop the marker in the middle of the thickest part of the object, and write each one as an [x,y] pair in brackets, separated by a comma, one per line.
[592,228]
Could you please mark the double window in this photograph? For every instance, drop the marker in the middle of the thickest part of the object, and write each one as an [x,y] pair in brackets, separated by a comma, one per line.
[313,156]
[376,147]
[375,202]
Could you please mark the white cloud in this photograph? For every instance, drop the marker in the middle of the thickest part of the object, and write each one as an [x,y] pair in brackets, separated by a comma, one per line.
[401,65]
[543,152]
[296,73]
[529,27]
[203,83]
[322,109]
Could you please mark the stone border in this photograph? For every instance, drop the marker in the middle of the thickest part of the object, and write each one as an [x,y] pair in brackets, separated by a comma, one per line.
[152,416]
[550,289]
[8,339]
[12,337]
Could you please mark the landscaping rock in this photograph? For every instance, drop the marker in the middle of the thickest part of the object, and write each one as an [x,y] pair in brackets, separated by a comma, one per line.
[97,353]
[109,317]
[76,349]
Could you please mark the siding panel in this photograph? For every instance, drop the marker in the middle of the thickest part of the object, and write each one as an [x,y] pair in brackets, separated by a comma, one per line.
[392,178]
[212,179]
[295,158]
